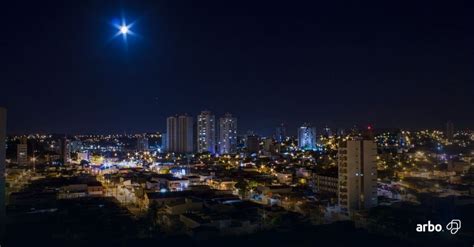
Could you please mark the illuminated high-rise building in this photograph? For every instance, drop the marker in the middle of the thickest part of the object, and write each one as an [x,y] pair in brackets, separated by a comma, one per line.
[307,137]
[3,136]
[179,130]
[22,152]
[65,150]
[227,134]
[206,132]
[357,175]
[280,133]
[164,142]
[268,145]
[142,144]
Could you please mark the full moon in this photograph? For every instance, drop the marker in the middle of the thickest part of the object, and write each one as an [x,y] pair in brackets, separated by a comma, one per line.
[124,29]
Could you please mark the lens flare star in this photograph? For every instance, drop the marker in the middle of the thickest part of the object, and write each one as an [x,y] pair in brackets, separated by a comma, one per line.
[123,29]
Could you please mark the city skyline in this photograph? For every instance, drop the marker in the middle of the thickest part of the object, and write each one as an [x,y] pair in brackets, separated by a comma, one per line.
[237,123]
[269,131]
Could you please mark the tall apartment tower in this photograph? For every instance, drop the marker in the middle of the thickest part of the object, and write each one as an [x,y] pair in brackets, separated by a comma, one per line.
[143,144]
[65,150]
[450,130]
[185,134]
[357,175]
[280,133]
[172,134]
[206,132]
[22,152]
[179,131]
[227,134]
[164,142]
[3,137]
[307,137]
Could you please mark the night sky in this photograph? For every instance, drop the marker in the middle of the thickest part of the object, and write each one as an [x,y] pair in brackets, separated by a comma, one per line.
[402,64]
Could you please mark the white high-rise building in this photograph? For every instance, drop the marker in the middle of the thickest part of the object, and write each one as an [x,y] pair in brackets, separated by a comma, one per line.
[227,134]
[357,162]
[3,137]
[307,137]
[179,130]
[206,132]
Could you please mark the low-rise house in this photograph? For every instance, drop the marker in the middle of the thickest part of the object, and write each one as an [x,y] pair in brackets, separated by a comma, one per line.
[194,180]
[284,177]
[95,189]
[222,184]
[160,198]
[171,183]
[177,184]
[187,204]
[459,167]
[73,191]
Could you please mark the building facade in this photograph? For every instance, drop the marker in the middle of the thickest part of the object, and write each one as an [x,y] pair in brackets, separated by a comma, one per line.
[307,137]
[172,134]
[325,183]
[206,132]
[22,152]
[179,131]
[357,175]
[268,146]
[65,150]
[227,134]
[185,134]
[164,142]
[143,144]
[253,144]
[280,133]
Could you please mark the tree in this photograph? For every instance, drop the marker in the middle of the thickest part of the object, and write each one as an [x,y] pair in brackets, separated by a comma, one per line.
[243,186]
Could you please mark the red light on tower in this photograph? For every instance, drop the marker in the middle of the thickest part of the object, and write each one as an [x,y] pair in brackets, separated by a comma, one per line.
[368,134]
